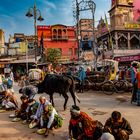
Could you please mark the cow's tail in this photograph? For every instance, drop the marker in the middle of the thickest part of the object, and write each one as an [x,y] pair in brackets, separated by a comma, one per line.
[72,90]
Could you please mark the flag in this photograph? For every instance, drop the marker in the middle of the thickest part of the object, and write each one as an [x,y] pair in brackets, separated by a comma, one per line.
[42,44]
[110,37]
[106,22]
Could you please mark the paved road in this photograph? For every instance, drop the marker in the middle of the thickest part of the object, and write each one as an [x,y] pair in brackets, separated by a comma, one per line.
[96,104]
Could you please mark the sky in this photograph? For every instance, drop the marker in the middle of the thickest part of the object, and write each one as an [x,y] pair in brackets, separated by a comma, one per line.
[13,19]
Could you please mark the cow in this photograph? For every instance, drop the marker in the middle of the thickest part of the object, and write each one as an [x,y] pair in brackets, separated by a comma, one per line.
[61,84]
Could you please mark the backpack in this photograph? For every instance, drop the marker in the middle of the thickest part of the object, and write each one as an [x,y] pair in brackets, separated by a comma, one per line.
[9,83]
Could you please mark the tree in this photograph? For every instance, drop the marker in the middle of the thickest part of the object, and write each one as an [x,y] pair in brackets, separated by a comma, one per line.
[53,55]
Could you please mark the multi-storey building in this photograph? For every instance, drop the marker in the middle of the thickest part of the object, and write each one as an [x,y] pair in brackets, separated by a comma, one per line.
[86,32]
[125,32]
[136,10]
[2,42]
[61,37]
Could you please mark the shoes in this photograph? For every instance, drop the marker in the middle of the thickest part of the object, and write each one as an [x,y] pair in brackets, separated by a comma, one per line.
[33,125]
[41,131]
[2,110]
[12,116]
[16,119]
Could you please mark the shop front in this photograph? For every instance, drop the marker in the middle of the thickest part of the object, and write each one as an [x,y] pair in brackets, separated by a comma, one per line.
[126,60]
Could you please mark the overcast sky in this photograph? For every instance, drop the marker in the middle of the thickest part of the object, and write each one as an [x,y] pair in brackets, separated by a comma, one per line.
[13,19]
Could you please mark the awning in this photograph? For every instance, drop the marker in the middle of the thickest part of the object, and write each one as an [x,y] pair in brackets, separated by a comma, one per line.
[23,61]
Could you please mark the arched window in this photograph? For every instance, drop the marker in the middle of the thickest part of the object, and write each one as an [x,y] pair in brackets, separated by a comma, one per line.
[122,42]
[54,33]
[59,33]
[135,43]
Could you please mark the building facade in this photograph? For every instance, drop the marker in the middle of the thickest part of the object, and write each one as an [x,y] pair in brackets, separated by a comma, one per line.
[2,42]
[136,10]
[124,31]
[61,37]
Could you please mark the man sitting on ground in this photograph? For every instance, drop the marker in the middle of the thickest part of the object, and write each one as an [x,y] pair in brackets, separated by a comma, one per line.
[83,127]
[27,110]
[21,113]
[118,126]
[9,101]
[29,91]
[50,119]
[40,110]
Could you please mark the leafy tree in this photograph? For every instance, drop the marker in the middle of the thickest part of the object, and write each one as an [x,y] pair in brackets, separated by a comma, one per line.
[53,55]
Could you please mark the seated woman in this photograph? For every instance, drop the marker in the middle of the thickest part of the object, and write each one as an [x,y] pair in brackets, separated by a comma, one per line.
[82,126]
[10,101]
[50,119]
[118,126]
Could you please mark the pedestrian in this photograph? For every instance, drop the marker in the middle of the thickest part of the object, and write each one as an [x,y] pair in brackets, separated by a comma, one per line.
[138,92]
[118,126]
[82,126]
[134,82]
[81,76]
[10,81]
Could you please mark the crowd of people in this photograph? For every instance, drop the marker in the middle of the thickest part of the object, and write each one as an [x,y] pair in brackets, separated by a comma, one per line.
[81,126]
[43,115]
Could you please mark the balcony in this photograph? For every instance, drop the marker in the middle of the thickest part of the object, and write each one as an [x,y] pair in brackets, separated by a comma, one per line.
[60,38]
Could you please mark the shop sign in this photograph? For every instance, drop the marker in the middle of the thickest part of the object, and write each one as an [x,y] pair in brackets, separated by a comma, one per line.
[7,70]
[132,25]
[128,58]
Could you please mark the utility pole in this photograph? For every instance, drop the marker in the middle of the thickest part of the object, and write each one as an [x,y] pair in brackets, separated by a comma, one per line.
[83,6]
[77,28]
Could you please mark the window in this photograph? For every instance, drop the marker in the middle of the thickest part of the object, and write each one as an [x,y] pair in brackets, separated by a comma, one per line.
[70,51]
[75,51]
[59,33]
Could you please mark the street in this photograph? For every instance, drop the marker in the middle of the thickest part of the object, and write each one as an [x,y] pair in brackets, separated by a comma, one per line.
[96,104]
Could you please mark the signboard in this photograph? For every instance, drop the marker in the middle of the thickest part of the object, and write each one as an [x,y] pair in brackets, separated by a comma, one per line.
[89,56]
[7,70]
[127,58]
[14,45]
[132,25]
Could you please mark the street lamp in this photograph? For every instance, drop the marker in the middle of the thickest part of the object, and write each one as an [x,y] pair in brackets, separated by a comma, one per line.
[36,14]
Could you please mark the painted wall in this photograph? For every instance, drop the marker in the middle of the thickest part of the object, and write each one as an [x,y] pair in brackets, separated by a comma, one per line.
[67,46]
[136,9]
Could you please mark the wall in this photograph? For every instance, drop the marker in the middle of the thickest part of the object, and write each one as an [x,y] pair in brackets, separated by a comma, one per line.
[66,45]
[136,7]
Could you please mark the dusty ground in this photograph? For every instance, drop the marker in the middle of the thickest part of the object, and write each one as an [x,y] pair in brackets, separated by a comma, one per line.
[96,104]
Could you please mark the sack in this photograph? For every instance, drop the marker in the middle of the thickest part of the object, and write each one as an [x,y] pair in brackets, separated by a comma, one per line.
[9,83]
[59,121]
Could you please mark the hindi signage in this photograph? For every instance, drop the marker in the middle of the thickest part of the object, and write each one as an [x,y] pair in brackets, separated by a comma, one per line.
[128,58]
[132,25]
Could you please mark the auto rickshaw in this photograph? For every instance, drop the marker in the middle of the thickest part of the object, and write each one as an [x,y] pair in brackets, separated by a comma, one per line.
[36,75]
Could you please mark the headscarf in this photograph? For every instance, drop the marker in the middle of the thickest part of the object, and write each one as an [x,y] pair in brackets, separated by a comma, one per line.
[75,109]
